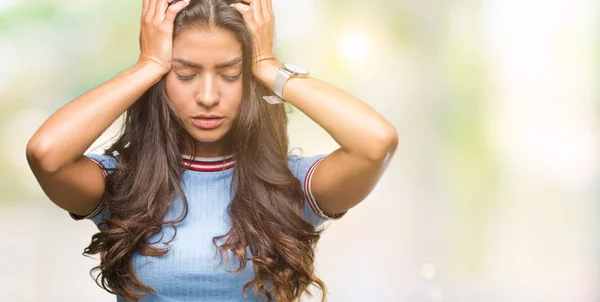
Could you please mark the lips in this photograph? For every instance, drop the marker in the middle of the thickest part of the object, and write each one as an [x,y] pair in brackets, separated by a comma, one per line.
[207,123]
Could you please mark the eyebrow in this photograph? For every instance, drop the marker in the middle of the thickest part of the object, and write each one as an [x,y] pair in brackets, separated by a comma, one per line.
[199,66]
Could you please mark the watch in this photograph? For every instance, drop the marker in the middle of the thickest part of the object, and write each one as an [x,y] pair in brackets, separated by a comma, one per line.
[284,73]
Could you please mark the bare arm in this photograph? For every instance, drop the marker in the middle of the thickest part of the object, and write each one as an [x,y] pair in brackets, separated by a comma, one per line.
[368,141]
[55,152]
[71,130]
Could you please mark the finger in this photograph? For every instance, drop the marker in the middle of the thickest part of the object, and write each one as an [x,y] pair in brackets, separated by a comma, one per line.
[270,8]
[259,13]
[151,9]
[265,9]
[246,12]
[145,7]
[161,10]
[174,9]
[256,9]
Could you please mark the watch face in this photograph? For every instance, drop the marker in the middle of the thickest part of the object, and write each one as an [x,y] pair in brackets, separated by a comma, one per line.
[295,69]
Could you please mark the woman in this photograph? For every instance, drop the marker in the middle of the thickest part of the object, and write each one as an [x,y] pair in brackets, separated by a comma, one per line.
[202,168]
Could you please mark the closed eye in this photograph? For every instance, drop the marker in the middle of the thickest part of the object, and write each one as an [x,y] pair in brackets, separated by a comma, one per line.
[231,79]
[185,78]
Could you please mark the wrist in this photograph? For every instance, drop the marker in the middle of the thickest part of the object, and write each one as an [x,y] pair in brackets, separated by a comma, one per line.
[152,66]
[151,72]
[266,71]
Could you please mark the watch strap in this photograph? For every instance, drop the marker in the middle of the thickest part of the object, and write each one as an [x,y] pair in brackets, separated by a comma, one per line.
[282,77]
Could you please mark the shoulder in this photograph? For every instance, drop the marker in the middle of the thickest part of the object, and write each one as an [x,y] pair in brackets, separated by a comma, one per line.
[105,161]
[301,165]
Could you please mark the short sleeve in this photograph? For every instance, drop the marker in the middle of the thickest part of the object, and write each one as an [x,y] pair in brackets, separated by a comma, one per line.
[106,163]
[303,168]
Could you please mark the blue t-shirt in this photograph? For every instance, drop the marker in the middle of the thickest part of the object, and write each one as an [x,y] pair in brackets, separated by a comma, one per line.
[189,271]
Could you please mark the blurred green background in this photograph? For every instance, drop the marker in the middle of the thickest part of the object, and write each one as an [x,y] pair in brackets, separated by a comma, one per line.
[490,197]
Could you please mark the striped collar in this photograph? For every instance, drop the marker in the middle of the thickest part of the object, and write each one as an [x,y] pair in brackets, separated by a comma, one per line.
[208,164]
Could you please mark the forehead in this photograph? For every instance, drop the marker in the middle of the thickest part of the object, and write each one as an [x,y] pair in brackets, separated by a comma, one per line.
[208,47]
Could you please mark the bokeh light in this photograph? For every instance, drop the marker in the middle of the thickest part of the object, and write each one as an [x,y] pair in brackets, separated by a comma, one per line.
[492,195]
[353,46]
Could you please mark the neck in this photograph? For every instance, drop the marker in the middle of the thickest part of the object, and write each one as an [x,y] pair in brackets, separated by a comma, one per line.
[207,150]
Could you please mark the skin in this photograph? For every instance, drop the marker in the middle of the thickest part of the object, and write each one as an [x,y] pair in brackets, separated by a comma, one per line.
[342,180]
[367,140]
[206,89]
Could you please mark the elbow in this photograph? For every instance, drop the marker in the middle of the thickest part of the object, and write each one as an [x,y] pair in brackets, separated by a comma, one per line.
[386,142]
[37,153]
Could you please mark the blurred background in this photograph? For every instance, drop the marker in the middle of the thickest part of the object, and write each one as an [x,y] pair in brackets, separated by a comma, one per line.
[490,197]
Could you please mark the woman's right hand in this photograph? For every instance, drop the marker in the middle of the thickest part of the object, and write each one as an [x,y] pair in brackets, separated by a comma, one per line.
[156,34]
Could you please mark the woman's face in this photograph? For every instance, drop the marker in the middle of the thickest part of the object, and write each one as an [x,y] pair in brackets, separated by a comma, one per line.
[205,84]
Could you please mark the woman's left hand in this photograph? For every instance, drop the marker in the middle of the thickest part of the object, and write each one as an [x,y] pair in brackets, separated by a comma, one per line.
[259,16]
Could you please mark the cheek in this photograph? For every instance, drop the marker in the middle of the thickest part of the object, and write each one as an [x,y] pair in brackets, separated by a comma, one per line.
[171,89]
[234,95]
[176,92]
[176,96]
[234,91]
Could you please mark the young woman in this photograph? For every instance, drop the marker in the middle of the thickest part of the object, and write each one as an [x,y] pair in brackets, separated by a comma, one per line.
[202,167]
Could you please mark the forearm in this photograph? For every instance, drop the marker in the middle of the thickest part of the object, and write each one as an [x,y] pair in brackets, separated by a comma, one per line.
[71,130]
[354,125]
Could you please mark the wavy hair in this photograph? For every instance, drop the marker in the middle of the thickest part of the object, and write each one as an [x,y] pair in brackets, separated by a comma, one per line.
[268,199]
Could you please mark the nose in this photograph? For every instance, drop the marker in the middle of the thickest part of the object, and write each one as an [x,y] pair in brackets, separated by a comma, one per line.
[208,94]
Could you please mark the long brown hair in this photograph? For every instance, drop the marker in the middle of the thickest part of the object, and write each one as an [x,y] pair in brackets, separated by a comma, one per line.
[266,208]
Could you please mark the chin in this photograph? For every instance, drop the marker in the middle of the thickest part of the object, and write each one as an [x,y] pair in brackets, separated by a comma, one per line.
[207,136]
[206,140]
